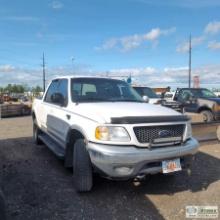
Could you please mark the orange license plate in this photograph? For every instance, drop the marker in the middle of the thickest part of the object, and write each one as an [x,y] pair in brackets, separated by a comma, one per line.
[170,166]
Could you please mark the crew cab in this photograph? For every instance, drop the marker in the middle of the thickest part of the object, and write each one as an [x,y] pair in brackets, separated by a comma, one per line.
[101,125]
[155,99]
[199,100]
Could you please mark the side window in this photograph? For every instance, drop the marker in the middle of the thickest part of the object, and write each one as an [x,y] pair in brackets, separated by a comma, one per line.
[63,89]
[185,95]
[51,90]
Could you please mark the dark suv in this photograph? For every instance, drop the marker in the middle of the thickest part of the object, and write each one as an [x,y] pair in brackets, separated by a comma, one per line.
[199,101]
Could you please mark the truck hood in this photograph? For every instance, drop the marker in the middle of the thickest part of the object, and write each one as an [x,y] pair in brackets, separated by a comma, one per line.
[154,100]
[216,100]
[103,112]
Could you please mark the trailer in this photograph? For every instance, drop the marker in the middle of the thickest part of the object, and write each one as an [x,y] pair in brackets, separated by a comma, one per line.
[14,109]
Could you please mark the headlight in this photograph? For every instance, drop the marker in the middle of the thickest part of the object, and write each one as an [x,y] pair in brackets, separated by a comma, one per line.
[110,133]
[188,130]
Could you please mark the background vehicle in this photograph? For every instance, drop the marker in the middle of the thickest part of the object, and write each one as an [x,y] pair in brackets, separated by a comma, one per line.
[102,125]
[199,101]
[147,91]
[169,96]
[155,99]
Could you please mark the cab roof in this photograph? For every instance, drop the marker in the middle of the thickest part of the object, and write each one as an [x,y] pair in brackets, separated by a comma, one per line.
[80,76]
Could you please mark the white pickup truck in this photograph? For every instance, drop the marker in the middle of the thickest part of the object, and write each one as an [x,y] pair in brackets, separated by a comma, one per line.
[102,125]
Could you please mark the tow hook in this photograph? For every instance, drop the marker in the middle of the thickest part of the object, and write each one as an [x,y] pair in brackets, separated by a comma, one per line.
[140,177]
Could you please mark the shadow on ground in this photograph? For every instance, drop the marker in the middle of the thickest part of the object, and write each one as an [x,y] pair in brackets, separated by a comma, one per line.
[37,186]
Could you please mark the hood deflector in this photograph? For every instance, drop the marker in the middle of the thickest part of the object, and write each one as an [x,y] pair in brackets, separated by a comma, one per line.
[149,119]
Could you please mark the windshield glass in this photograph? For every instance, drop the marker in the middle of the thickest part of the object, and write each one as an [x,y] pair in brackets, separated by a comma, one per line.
[102,90]
[146,91]
[204,93]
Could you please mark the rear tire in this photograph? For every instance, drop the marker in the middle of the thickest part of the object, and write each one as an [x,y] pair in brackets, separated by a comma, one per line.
[36,132]
[207,116]
[82,167]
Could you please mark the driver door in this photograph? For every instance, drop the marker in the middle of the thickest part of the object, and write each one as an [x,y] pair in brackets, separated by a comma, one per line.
[186,96]
[46,106]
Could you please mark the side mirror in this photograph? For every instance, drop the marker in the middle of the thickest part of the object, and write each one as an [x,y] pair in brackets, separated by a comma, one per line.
[57,98]
[146,98]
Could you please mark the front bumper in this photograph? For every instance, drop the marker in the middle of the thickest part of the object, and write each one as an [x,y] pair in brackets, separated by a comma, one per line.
[130,161]
[217,115]
[174,107]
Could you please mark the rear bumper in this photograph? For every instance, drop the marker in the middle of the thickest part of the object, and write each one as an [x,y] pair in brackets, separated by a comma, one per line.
[129,161]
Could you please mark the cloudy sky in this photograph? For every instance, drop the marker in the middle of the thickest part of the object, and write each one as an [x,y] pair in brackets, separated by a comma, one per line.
[145,38]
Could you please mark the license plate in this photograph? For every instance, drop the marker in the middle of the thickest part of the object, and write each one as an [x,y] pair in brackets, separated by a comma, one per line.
[170,166]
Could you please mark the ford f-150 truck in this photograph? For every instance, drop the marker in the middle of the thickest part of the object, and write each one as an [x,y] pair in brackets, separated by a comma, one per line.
[101,125]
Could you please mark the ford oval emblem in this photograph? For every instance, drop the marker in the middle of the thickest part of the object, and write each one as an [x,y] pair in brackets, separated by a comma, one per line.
[164,134]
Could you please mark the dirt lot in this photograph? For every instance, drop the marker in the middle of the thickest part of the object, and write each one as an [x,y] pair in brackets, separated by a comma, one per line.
[38,187]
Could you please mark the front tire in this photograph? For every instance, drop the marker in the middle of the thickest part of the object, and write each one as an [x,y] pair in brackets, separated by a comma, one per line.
[82,167]
[207,116]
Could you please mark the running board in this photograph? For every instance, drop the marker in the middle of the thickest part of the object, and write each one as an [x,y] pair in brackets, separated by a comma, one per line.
[52,145]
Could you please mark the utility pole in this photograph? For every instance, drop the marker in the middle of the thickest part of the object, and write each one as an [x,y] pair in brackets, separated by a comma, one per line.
[43,65]
[190,59]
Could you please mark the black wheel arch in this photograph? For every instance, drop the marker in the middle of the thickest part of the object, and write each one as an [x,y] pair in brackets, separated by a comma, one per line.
[204,108]
[72,136]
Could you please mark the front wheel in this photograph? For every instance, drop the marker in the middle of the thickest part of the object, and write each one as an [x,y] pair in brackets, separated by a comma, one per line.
[207,116]
[82,167]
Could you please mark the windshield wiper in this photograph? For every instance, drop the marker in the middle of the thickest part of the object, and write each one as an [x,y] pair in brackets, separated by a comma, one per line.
[106,100]
[91,100]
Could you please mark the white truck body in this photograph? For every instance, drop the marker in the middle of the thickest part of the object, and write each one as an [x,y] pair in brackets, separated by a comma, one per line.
[58,121]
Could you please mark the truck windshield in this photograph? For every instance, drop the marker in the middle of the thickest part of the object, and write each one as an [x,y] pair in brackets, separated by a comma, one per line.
[146,91]
[102,90]
[203,93]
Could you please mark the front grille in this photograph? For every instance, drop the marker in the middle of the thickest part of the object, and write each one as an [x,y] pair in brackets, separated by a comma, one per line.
[148,134]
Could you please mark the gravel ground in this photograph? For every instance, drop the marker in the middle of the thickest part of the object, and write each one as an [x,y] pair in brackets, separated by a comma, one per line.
[38,187]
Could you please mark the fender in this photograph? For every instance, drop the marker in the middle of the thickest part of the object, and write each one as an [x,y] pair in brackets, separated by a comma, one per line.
[73,134]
